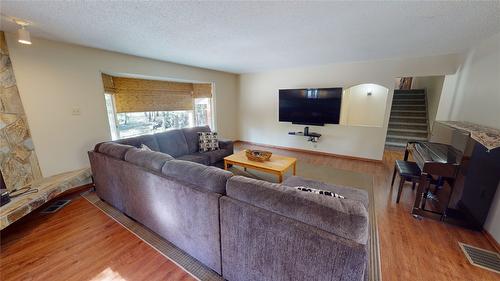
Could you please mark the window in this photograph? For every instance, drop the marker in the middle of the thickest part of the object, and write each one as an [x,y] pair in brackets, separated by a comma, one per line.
[138,106]
[203,111]
[130,124]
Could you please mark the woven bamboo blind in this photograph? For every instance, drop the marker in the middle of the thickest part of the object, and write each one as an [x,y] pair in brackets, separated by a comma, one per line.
[140,95]
[202,90]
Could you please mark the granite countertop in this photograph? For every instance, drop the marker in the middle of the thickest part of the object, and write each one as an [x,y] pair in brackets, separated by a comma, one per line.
[48,188]
[487,136]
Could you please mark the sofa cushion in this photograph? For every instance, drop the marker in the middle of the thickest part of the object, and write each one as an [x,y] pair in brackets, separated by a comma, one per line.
[152,160]
[113,149]
[348,192]
[148,140]
[196,157]
[206,177]
[217,155]
[343,217]
[172,142]
[191,135]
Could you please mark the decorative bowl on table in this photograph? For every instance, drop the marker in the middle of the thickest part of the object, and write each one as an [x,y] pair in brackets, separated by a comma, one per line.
[258,155]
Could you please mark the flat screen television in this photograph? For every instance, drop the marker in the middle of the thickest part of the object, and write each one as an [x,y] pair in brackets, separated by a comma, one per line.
[312,106]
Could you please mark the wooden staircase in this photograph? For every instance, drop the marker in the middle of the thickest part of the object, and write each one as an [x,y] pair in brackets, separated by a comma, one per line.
[408,119]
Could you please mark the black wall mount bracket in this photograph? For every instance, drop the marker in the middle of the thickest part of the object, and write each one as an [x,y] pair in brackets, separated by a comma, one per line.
[311,136]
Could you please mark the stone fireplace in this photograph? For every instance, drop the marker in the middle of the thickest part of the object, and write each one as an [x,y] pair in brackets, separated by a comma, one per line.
[18,161]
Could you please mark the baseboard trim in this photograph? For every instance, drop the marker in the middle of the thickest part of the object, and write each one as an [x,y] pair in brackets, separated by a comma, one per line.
[492,240]
[310,151]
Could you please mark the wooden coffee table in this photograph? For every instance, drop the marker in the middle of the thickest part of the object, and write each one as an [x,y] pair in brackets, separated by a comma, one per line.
[277,165]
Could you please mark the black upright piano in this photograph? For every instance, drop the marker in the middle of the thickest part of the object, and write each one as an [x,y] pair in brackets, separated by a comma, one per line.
[465,172]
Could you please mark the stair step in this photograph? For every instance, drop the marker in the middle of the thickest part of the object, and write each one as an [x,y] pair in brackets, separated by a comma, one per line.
[406,92]
[397,93]
[418,129]
[419,106]
[396,141]
[409,96]
[421,127]
[408,107]
[409,117]
[408,111]
[408,114]
[408,102]
[407,124]
[407,130]
[405,137]
[397,144]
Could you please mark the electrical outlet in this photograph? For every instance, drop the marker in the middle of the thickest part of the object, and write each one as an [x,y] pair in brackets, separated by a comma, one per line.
[75,111]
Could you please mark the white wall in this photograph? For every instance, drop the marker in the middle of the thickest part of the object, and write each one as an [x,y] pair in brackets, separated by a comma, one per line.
[433,86]
[258,102]
[473,94]
[54,77]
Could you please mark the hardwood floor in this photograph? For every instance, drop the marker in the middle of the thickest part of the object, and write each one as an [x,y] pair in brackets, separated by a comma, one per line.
[82,243]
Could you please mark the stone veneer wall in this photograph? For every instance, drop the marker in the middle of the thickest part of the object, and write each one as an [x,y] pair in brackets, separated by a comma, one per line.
[18,161]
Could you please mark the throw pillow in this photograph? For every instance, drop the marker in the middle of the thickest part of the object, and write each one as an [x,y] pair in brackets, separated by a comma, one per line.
[319,191]
[208,141]
[145,147]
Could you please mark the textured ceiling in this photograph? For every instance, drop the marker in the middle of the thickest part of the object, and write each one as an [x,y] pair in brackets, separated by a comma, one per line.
[255,36]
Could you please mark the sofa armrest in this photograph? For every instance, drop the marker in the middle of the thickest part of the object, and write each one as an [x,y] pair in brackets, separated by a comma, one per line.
[227,144]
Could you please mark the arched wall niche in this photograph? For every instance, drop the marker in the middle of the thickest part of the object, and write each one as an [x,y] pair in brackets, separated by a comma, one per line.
[364,105]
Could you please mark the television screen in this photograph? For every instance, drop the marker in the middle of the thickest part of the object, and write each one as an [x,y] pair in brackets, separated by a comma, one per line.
[310,106]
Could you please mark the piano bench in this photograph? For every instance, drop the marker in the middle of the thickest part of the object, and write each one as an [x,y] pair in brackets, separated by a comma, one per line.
[408,171]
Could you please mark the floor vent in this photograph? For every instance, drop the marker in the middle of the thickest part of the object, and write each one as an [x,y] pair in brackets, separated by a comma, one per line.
[481,258]
[56,206]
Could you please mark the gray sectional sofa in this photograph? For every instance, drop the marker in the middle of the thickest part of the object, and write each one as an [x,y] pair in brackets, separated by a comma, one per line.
[242,228]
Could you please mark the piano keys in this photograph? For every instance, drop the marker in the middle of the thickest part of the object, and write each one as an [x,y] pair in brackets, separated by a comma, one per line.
[437,158]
